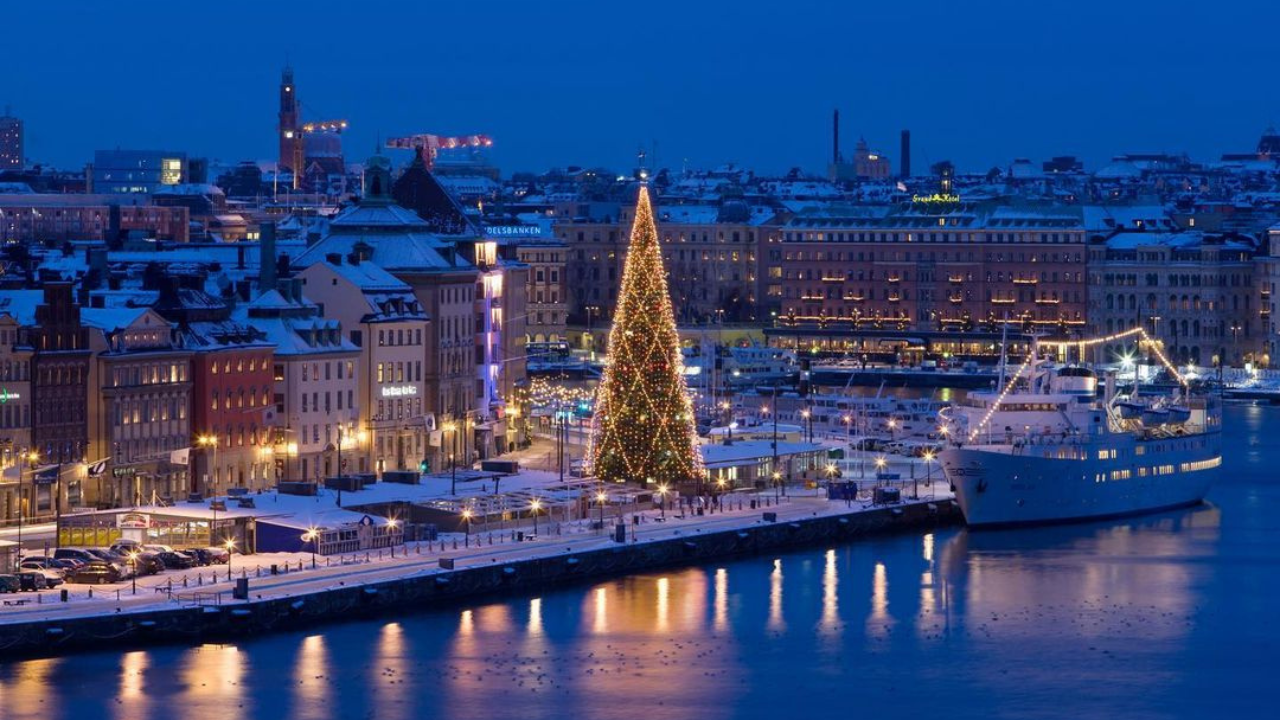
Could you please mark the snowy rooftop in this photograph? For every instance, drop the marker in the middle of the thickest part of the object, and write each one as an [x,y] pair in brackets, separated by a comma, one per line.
[21,305]
[740,452]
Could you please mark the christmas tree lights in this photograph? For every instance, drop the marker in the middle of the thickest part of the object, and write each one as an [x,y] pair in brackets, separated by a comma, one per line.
[643,430]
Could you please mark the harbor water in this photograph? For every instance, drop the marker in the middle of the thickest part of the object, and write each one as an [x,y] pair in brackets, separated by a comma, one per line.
[1164,616]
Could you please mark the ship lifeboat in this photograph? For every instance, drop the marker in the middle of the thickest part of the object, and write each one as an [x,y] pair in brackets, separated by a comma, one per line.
[1130,410]
[1155,416]
[1179,414]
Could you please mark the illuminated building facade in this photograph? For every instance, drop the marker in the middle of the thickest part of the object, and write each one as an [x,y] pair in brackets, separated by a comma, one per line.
[11,142]
[712,256]
[127,172]
[315,373]
[933,264]
[17,309]
[1194,292]
[139,408]
[41,217]
[385,320]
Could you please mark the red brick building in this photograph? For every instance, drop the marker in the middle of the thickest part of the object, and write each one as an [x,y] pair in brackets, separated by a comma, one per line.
[39,217]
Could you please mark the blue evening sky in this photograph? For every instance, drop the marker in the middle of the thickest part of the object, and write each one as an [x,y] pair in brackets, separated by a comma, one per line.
[980,82]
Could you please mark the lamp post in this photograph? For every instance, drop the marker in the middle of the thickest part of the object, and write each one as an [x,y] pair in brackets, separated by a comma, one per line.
[777,485]
[893,425]
[133,560]
[601,497]
[1235,339]
[452,427]
[311,536]
[207,441]
[392,524]
[33,457]
[808,421]
[534,506]
[662,493]
[928,469]
[231,549]
[881,462]
[591,338]
[466,518]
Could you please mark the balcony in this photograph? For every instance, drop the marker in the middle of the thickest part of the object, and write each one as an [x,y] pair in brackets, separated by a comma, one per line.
[894,279]
[1002,301]
[895,298]
[955,279]
[837,278]
[1025,281]
[956,299]
[1047,301]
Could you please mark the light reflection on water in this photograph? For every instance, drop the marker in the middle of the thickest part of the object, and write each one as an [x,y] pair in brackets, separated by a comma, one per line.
[1137,618]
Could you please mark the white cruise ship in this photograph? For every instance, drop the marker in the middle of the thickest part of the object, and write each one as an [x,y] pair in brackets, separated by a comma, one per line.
[1046,448]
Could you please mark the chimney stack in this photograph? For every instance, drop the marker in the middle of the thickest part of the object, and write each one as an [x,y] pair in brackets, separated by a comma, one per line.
[905,154]
[267,258]
[835,137]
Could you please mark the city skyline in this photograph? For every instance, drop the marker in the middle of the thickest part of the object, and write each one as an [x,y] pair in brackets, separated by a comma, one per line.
[980,86]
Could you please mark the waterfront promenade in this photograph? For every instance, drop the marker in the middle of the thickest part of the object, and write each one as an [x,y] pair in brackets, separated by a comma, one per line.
[650,538]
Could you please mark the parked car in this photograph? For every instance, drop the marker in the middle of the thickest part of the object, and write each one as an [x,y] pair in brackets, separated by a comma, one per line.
[32,580]
[62,567]
[122,564]
[98,572]
[176,560]
[218,556]
[78,554]
[10,584]
[149,563]
[52,577]
[201,556]
[124,547]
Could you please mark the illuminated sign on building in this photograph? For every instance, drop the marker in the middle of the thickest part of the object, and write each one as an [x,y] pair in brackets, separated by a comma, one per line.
[936,199]
[513,230]
[399,391]
[6,395]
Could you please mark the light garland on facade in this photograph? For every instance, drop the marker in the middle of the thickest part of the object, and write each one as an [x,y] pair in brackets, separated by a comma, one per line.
[643,428]
[542,393]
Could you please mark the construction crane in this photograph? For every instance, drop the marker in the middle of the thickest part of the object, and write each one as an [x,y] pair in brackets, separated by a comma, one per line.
[333,126]
[432,144]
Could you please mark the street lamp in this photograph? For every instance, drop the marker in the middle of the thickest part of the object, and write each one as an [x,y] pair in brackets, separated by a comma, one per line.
[212,441]
[601,497]
[662,493]
[310,536]
[133,560]
[392,524]
[777,485]
[928,468]
[808,418]
[231,548]
[466,518]
[534,506]
[33,457]
[881,462]
[893,425]
[453,466]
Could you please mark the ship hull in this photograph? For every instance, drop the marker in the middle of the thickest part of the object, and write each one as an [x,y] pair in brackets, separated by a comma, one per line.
[1032,486]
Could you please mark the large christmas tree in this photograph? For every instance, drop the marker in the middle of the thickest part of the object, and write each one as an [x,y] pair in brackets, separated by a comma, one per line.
[643,430]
